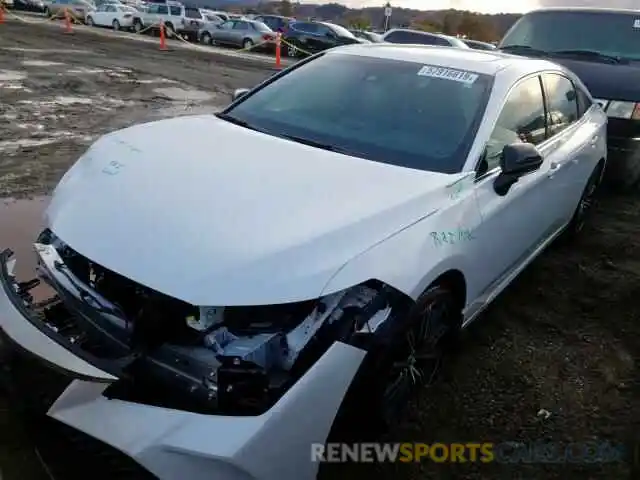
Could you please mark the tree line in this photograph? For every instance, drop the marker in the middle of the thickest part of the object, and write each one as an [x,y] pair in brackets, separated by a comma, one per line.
[484,27]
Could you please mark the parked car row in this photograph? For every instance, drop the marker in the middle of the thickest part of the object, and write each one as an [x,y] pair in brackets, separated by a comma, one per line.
[212,27]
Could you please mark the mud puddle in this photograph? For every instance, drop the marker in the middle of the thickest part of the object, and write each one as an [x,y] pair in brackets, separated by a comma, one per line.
[20,223]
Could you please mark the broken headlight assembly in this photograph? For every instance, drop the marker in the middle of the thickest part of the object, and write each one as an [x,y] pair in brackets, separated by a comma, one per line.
[208,359]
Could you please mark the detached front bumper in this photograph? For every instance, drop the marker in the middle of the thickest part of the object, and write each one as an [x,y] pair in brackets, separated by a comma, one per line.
[174,444]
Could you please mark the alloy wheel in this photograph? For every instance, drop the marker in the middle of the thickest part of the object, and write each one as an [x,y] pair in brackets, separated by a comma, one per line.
[417,359]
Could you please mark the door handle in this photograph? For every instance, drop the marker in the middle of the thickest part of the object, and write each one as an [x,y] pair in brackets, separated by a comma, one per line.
[594,141]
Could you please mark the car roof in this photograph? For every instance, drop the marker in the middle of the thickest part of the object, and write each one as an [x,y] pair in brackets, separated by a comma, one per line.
[480,61]
[626,11]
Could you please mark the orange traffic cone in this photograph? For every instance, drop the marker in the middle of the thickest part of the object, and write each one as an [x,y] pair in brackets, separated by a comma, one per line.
[278,49]
[67,21]
[1,12]
[163,39]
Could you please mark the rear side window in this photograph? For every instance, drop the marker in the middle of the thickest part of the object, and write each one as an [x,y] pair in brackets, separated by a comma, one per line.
[261,27]
[609,33]
[562,104]
[305,27]
[522,120]
[163,10]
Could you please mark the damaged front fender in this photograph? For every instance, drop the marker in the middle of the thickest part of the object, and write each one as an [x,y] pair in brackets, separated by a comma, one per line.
[21,326]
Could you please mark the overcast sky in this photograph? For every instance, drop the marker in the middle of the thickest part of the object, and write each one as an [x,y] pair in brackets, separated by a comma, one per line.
[490,6]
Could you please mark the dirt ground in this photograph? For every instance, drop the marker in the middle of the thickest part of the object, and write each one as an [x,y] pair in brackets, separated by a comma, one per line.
[554,359]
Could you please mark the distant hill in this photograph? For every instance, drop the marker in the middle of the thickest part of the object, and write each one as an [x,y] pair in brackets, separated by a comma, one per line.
[374,16]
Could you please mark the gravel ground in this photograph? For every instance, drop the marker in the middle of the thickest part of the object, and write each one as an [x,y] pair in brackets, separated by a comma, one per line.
[554,359]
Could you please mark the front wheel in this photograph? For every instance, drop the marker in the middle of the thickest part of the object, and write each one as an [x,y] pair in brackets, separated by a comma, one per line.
[414,359]
[408,358]
[116,25]
[90,22]
[137,26]
[247,44]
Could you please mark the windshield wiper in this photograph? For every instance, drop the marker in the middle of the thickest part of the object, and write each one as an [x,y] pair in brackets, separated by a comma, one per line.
[237,121]
[591,54]
[312,143]
[524,50]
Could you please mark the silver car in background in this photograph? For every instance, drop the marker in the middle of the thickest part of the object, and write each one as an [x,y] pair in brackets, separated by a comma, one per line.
[237,33]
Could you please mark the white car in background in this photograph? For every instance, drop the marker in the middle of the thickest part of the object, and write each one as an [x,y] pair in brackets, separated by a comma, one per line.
[214,317]
[112,15]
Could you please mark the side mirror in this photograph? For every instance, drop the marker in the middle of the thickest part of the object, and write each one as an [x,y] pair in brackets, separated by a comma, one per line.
[238,93]
[516,160]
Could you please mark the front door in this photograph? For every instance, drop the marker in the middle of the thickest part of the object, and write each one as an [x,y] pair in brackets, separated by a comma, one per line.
[514,224]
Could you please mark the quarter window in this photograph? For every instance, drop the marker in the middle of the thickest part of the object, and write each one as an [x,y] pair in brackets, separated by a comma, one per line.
[522,120]
[562,104]
[584,102]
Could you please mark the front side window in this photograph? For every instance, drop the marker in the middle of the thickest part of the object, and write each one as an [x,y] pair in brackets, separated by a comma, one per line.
[163,10]
[390,111]
[609,33]
[176,11]
[562,105]
[522,120]
[241,26]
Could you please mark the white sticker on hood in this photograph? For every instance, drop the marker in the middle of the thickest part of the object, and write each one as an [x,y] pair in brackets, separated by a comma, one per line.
[448,74]
[636,23]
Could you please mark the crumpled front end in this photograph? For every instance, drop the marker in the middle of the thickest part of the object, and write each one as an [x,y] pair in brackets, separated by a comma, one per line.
[183,388]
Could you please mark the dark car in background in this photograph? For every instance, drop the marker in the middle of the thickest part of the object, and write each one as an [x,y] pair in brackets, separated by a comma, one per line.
[477,45]
[602,47]
[29,5]
[416,37]
[304,38]
[277,23]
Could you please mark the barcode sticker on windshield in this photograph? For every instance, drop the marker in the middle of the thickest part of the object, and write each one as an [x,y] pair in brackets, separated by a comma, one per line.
[448,74]
[636,23]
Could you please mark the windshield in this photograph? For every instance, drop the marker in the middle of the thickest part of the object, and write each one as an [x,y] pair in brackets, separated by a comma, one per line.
[383,110]
[341,31]
[614,34]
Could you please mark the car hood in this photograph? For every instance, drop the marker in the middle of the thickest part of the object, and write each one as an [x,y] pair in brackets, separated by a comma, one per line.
[605,80]
[215,214]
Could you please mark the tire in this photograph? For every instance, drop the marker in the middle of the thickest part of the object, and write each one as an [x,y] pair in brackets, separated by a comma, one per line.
[247,44]
[368,408]
[168,30]
[90,22]
[206,39]
[116,25]
[47,12]
[137,25]
[585,205]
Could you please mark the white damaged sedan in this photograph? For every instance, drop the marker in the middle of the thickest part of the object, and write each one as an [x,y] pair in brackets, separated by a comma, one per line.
[306,263]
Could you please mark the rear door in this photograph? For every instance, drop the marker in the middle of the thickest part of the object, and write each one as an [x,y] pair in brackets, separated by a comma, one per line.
[224,33]
[239,32]
[573,140]
[100,15]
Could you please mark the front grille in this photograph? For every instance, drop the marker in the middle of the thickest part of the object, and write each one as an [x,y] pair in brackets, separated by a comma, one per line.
[32,388]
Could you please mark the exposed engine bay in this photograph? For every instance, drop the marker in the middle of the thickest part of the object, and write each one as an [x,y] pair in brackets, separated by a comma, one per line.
[225,359]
